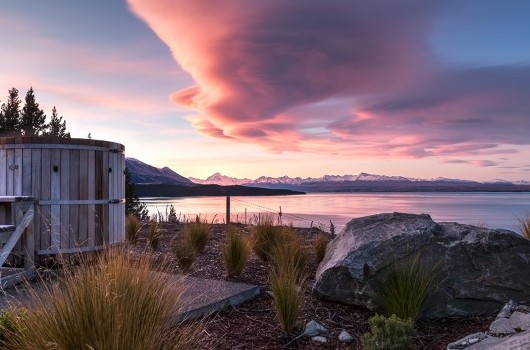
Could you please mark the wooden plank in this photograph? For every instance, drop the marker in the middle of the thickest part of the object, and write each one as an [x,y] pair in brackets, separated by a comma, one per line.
[36,180]
[91,215]
[83,195]
[24,223]
[70,250]
[55,212]
[65,194]
[45,227]
[3,172]
[105,191]
[98,168]
[26,173]
[29,243]
[74,195]
[10,162]
[17,173]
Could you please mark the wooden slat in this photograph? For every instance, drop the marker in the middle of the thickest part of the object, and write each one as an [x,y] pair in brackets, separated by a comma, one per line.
[3,172]
[45,227]
[17,173]
[105,191]
[26,173]
[55,211]
[65,193]
[26,220]
[74,195]
[10,162]
[83,195]
[36,181]
[91,215]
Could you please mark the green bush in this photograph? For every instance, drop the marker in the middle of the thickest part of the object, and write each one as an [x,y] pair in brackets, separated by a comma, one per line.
[524,225]
[153,236]
[265,236]
[196,233]
[319,247]
[408,288]
[8,322]
[132,228]
[109,304]
[184,253]
[235,253]
[389,333]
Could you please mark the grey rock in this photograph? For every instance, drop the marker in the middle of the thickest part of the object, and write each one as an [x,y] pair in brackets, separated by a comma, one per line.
[519,341]
[507,310]
[484,267]
[501,327]
[467,341]
[345,337]
[319,339]
[314,328]
[520,321]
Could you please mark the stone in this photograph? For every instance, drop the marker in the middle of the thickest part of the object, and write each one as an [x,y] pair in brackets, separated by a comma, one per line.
[345,337]
[484,267]
[467,341]
[519,341]
[520,321]
[314,328]
[501,327]
[319,339]
[507,310]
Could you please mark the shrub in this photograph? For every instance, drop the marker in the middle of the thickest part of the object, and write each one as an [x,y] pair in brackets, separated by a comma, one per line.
[172,217]
[408,287]
[196,233]
[8,322]
[184,253]
[389,333]
[153,236]
[235,253]
[265,237]
[524,225]
[287,298]
[289,258]
[106,305]
[319,247]
[132,228]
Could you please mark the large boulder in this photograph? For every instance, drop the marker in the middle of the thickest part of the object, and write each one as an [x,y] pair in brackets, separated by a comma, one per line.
[483,268]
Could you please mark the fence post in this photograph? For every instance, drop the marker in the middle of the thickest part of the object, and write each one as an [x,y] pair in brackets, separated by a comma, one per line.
[227,210]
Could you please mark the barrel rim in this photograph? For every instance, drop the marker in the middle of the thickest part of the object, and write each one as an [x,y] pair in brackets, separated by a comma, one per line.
[20,140]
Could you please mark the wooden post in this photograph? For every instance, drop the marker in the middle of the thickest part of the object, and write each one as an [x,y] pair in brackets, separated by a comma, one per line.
[228,210]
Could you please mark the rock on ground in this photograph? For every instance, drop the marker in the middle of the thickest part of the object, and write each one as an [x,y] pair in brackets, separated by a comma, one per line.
[484,268]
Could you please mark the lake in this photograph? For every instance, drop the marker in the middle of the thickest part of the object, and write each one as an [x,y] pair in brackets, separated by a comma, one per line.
[493,210]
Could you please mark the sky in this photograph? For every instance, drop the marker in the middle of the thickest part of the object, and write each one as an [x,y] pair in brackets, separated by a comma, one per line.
[303,88]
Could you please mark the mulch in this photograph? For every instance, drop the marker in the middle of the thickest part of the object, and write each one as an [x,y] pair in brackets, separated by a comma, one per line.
[253,324]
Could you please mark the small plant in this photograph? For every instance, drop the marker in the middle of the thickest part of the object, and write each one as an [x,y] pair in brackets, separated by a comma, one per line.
[389,333]
[331,228]
[172,217]
[408,287]
[524,225]
[235,253]
[132,228]
[184,253]
[153,236]
[8,322]
[265,237]
[319,247]
[196,233]
[289,258]
[287,298]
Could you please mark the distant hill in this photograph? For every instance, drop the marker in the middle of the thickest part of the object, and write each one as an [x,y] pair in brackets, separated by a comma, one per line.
[142,173]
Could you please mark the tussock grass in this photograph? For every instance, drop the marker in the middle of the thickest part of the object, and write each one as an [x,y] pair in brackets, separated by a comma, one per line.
[319,246]
[153,236]
[184,253]
[288,257]
[524,225]
[196,233]
[408,288]
[265,236]
[287,299]
[132,228]
[114,303]
[235,253]
[389,333]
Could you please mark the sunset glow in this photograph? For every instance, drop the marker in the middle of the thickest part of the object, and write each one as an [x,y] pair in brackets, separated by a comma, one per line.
[298,88]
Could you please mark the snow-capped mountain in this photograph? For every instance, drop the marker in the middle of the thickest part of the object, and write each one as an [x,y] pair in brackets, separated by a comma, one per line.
[218,179]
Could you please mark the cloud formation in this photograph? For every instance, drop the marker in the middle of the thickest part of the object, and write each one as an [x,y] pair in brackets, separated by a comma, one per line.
[337,77]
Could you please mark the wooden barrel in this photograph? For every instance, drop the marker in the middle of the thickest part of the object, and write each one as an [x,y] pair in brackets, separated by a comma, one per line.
[78,185]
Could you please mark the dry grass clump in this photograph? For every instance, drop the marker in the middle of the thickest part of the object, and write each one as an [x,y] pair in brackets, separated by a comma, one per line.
[235,253]
[132,228]
[196,233]
[524,225]
[109,304]
[408,288]
[184,253]
[265,236]
[319,246]
[153,235]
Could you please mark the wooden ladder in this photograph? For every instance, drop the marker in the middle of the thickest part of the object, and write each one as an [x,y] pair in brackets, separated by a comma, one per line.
[16,216]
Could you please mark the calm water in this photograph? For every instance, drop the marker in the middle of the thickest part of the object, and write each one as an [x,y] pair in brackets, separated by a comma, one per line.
[494,210]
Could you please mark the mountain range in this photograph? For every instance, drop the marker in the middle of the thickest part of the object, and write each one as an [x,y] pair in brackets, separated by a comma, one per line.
[363,182]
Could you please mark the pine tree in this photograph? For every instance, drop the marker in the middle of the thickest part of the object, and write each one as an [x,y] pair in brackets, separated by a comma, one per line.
[32,119]
[132,202]
[57,126]
[10,116]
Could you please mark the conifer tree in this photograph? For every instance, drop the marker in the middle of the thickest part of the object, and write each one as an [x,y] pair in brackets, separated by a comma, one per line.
[32,119]
[10,116]
[57,126]
[132,202]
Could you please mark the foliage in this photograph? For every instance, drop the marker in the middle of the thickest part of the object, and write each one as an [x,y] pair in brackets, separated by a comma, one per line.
[408,288]
[10,115]
[8,322]
[235,253]
[389,333]
[32,119]
[172,217]
[133,206]
[196,233]
[524,225]
[57,126]
[289,258]
[153,236]
[287,298]
[331,228]
[319,246]
[132,228]
[184,253]
[265,236]
[108,304]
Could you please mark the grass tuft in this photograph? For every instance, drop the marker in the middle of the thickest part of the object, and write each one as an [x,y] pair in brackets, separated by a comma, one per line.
[289,258]
[389,333]
[265,236]
[408,288]
[524,225]
[184,253]
[319,247]
[287,296]
[235,253]
[132,228]
[108,304]
[153,236]
[196,233]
